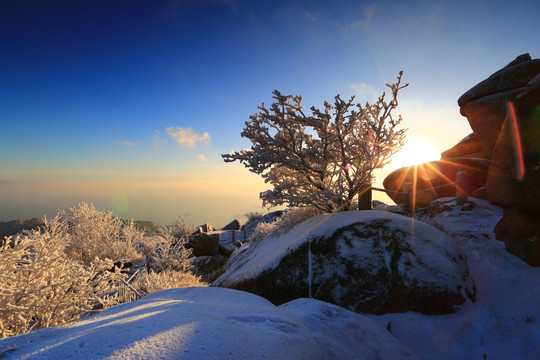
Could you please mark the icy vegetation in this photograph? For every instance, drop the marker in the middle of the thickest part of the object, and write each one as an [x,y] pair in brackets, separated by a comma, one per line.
[217,323]
[68,268]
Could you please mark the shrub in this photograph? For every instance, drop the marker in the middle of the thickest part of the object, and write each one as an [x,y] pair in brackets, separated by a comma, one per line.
[41,287]
[324,159]
[170,252]
[151,282]
[253,216]
[97,234]
[285,222]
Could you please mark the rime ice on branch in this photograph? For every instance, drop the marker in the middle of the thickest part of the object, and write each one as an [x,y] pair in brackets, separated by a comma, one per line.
[323,159]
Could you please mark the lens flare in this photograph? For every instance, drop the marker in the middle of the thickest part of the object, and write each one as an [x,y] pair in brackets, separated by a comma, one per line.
[517,135]
[120,202]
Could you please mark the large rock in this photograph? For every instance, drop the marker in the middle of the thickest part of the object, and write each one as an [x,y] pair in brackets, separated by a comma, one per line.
[204,228]
[365,261]
[203,244]
[469,146]
[514,177]
[486,104]
[437,173]
[520,231]
[516,74]
[486,116]
[233,225]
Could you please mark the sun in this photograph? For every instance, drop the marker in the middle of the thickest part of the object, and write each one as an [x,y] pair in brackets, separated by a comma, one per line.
[416,151]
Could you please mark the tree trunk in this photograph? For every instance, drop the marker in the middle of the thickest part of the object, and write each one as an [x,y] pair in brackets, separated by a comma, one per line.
[364,198]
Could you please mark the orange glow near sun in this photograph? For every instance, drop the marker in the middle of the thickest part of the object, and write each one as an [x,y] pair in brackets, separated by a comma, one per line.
[416,151]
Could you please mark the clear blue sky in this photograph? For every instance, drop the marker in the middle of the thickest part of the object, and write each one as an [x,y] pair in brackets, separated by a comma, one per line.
[88,89]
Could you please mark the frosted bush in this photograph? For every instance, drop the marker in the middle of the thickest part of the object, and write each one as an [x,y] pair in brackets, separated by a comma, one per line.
[150,282]
[170,252]
[97,234]
[182,229]
[41,287]
[285,222]
[253,216]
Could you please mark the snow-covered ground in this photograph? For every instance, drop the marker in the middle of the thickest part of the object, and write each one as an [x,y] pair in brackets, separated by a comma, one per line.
[503,323]
[215,323]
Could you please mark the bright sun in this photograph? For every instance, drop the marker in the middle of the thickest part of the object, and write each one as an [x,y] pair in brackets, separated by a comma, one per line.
[416,151]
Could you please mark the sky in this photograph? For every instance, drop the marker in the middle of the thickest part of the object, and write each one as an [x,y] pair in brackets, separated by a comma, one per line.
[129,104]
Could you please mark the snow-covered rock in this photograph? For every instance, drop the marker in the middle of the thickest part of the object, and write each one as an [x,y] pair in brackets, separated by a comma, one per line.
[365,261]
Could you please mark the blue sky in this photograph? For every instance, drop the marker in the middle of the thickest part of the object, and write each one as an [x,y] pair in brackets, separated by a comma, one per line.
[129,104]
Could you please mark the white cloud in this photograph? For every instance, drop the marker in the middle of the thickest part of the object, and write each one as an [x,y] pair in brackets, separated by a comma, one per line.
[364,91]
[201,157]
[156,140]
[187,137]
[127,143]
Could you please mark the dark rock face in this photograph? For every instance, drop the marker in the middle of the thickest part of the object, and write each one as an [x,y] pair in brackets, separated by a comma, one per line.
[233,225]
[469,147]
[520,231]
[504,112]
[203,244]
[371,265]
[516,74]
[486,116]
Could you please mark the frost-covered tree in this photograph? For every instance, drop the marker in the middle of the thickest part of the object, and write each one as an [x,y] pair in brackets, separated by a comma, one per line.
[323,159]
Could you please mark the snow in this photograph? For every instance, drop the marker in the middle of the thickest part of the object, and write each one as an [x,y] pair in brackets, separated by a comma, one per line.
[430,249]
[189,323]
[217,323]
[343,334]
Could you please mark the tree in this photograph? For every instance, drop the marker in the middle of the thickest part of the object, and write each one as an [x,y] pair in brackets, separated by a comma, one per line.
[323,159]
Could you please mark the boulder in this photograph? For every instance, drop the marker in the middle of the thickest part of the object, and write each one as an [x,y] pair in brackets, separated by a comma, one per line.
[486,104]
[486,116]
[204,228]
[516,74]
[233,225]
[436,173]
[520,231]
[469,146]
[203,244]
[514,177]
[366,261]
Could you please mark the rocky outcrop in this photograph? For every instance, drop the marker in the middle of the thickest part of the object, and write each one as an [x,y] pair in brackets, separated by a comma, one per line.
[233,225]
[204,228]
[486,104]
[504,112]
[437,173]
[469,147]
[203,244]
[365,261]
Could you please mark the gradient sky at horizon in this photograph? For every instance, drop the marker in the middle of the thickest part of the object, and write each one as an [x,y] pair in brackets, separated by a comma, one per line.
[129,104]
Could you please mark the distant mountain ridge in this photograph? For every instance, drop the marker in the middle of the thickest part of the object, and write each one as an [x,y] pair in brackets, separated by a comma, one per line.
[10,228]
